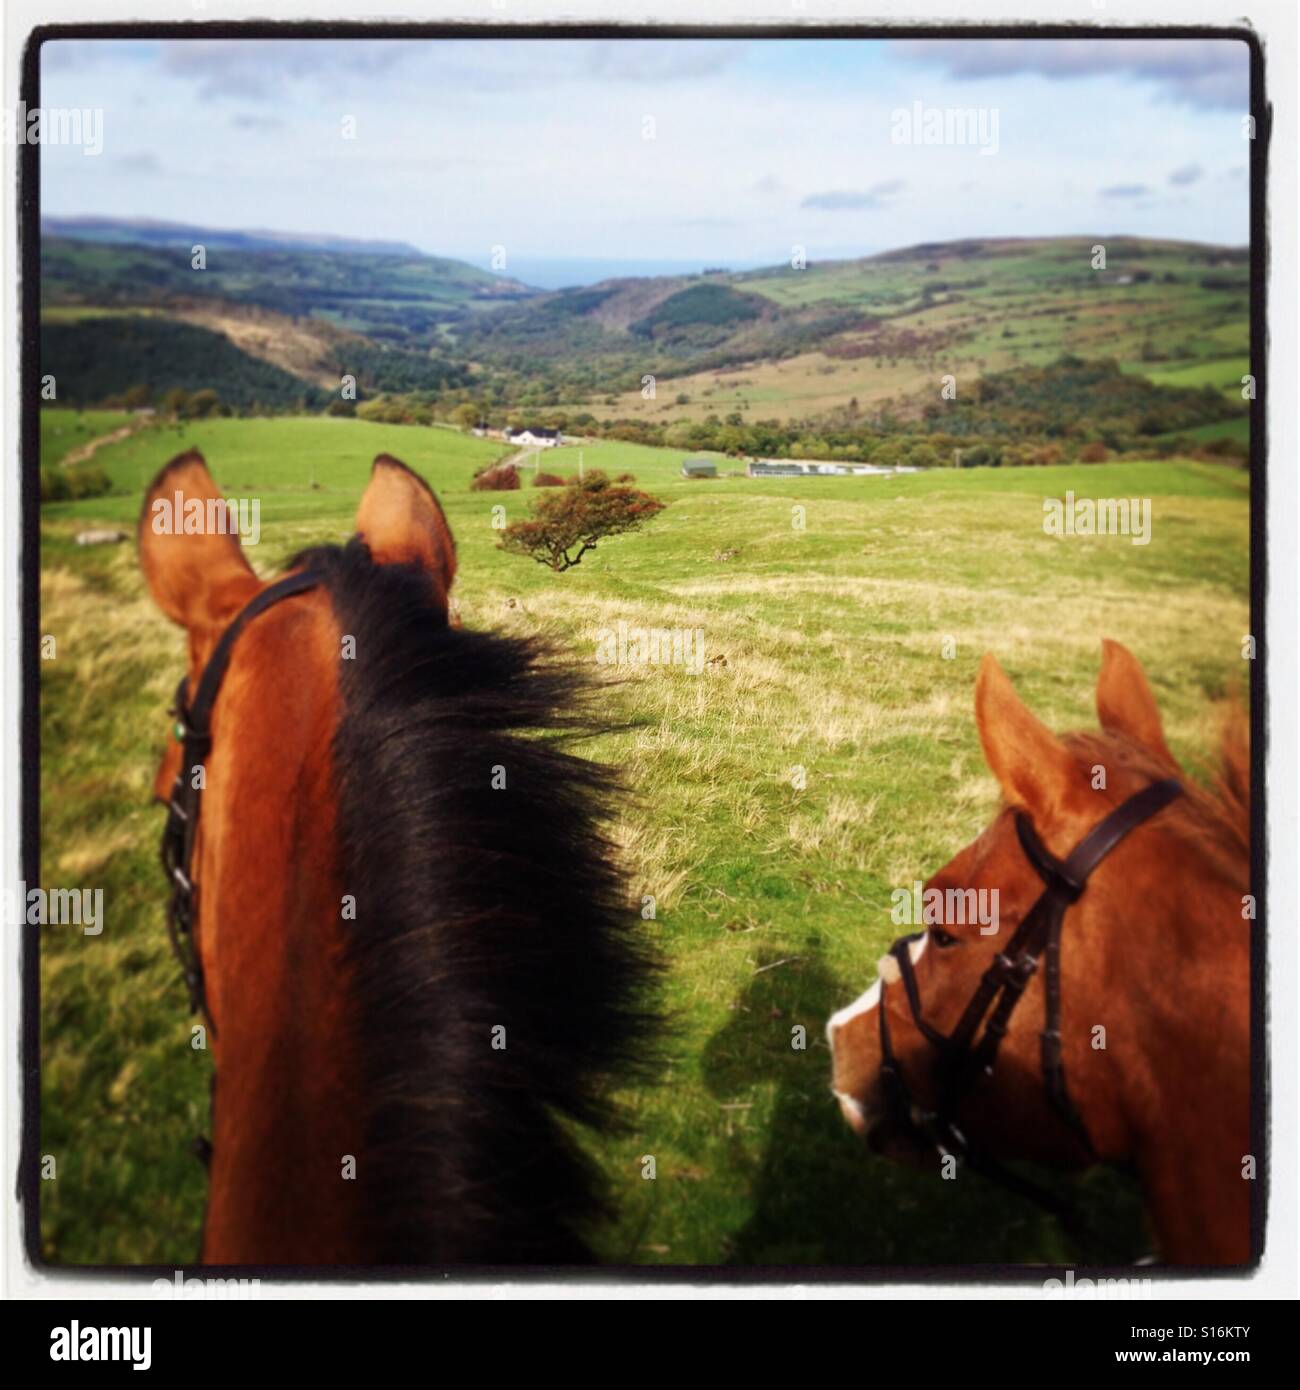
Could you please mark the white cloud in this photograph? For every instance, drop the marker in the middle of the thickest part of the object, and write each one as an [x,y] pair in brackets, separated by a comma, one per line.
[1200,72]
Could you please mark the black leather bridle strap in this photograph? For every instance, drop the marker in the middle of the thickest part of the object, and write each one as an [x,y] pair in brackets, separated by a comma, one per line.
[1049,1040]
[902,954]
[194,730]
[198,715]
[1122,821]
[1048,867]
[1070,878]
[962,1059]
[999,976]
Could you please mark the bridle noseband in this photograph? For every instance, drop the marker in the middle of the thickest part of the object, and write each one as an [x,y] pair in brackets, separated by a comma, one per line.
[964,1059]
[193,729]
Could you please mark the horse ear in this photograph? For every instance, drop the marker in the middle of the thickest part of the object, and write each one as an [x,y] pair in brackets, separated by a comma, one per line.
[199,577]
[1034,768]
[402,523]
[1125,704]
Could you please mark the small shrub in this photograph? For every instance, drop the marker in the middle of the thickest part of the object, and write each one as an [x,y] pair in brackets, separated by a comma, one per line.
[1095,452]
[547,480]
[1228,448]
[55,486]
[88,482]
[626,478]
[176,403]
[203,405]
[568,522]
[501,479]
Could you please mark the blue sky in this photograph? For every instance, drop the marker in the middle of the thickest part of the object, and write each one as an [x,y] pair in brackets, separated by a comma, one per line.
[539,146]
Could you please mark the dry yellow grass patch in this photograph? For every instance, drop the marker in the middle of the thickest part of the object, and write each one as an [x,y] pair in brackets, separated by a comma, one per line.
[297,346]
[656,859]
[844,831]
[59,585]
[95,851]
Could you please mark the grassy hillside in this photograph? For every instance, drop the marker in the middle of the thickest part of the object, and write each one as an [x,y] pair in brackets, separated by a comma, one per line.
[293,461]
[104,357]
[772,901]
[1174,312]
[392,298]
[780,343]
[65,432]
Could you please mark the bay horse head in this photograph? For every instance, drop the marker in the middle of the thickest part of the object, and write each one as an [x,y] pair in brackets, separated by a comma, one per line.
[1078,989]
[404,925]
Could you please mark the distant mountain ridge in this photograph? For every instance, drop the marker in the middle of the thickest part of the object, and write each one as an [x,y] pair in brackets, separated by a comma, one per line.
[148,231]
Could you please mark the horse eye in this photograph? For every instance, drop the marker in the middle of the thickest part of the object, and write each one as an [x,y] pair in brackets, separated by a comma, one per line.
[942,939]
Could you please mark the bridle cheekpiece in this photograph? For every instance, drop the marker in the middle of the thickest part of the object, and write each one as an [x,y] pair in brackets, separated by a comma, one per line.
[965,1059]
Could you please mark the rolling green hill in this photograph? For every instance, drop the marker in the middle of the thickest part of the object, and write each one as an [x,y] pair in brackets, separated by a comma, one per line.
[883,328]
[104,357]
[396,298]
[832,342]
[248,355]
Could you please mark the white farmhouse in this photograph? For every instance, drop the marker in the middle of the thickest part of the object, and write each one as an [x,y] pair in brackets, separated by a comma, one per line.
[535,438]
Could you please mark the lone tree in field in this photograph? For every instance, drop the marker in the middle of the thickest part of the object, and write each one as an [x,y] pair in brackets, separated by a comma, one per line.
[567,522]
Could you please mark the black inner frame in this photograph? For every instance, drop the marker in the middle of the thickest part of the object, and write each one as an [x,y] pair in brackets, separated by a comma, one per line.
[28,1177]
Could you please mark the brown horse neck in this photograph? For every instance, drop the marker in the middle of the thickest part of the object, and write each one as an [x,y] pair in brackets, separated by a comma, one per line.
[284,1115]
[1188,1108]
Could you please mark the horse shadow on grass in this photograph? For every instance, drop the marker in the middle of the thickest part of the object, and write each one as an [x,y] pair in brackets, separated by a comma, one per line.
[819,1197]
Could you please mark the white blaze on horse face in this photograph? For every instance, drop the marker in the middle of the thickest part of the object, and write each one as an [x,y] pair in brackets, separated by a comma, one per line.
[852,1107]
[852,1110]
[862,1005]
[888,972]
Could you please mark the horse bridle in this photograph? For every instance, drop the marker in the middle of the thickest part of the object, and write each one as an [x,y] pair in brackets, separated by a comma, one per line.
[193,730]
[963,1060]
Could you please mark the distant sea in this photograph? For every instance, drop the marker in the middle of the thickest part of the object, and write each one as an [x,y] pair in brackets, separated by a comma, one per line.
[558,275]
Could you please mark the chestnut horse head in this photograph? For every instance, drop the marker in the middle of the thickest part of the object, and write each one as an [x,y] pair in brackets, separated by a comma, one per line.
[418,969]
[1153,985]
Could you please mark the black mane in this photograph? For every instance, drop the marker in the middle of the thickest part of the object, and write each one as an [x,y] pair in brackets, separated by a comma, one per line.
[476,908]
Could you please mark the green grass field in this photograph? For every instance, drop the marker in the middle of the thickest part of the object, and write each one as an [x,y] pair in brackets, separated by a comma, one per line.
[62,431]
[1221,429]
[1223,373]
[772,902]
